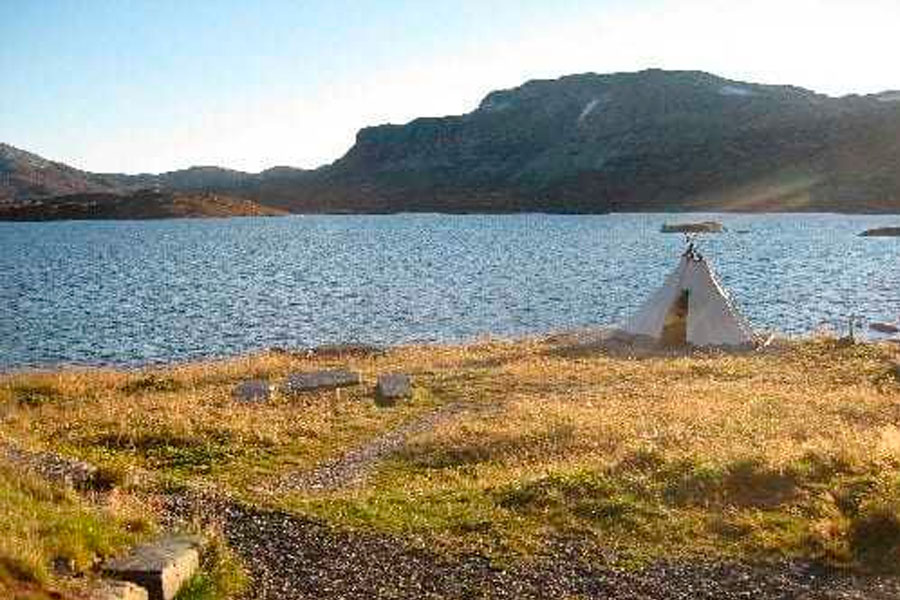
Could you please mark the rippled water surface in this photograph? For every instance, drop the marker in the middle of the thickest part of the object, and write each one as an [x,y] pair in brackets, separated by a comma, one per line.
[157,291]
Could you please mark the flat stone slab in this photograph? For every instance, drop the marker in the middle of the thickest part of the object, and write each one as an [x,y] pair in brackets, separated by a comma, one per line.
[161,567]
[118,590]
[319,380]
[391,387]
[252,390]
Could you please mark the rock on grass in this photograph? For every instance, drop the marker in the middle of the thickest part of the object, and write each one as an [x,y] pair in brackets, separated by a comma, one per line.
[319,380]
[391,387]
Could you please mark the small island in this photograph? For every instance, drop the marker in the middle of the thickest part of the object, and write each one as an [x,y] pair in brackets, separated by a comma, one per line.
[702,227]
[142,204]
[881,232]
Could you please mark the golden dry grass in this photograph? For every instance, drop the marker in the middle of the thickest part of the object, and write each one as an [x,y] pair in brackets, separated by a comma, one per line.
[794,451]
[762,454]
[183,422]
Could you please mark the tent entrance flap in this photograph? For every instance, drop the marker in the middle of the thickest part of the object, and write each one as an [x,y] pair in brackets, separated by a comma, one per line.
[674,332]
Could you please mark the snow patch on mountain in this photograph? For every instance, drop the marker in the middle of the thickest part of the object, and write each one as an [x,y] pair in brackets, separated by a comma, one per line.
[588,109]
[735,90]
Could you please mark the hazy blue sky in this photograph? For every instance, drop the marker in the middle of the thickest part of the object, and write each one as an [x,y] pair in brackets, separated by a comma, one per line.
[157,85]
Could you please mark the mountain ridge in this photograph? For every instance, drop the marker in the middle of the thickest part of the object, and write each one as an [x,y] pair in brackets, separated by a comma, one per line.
[640,141]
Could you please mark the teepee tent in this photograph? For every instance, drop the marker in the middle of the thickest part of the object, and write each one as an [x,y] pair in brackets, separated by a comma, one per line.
[691,308]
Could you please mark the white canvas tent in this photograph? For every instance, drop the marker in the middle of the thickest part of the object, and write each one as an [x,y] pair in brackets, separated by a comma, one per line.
[691,308]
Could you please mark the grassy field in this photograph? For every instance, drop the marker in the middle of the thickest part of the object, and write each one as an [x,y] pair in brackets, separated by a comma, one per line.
[794,451]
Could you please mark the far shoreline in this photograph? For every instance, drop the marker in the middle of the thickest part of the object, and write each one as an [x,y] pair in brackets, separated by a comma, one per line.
[400,213]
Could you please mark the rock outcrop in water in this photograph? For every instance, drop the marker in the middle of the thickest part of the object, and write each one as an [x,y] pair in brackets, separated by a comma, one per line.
[648,141]
[887,328]
[703,227]
[881,232]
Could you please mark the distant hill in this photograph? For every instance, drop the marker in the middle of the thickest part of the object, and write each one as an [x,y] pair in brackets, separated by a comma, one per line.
[24,175]
[648,141]
[144,204]
[653,140]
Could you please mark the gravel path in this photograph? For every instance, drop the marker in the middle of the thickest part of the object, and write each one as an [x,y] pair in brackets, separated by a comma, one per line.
[353,467]
[290,557]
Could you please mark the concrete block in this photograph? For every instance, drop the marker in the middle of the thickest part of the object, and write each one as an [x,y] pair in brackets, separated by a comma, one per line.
[161,567]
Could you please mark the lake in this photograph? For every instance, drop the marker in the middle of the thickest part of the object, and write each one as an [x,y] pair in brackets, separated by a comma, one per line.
[138,292]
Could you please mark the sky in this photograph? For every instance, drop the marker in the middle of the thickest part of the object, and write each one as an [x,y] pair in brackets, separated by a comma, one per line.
[150,86]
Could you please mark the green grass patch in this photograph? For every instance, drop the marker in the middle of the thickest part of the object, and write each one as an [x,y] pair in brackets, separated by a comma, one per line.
[201,452]
[221,575]
[40,522]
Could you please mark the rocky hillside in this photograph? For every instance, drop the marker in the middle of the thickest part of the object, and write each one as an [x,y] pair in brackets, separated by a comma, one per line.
[24,175]
[652,140]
